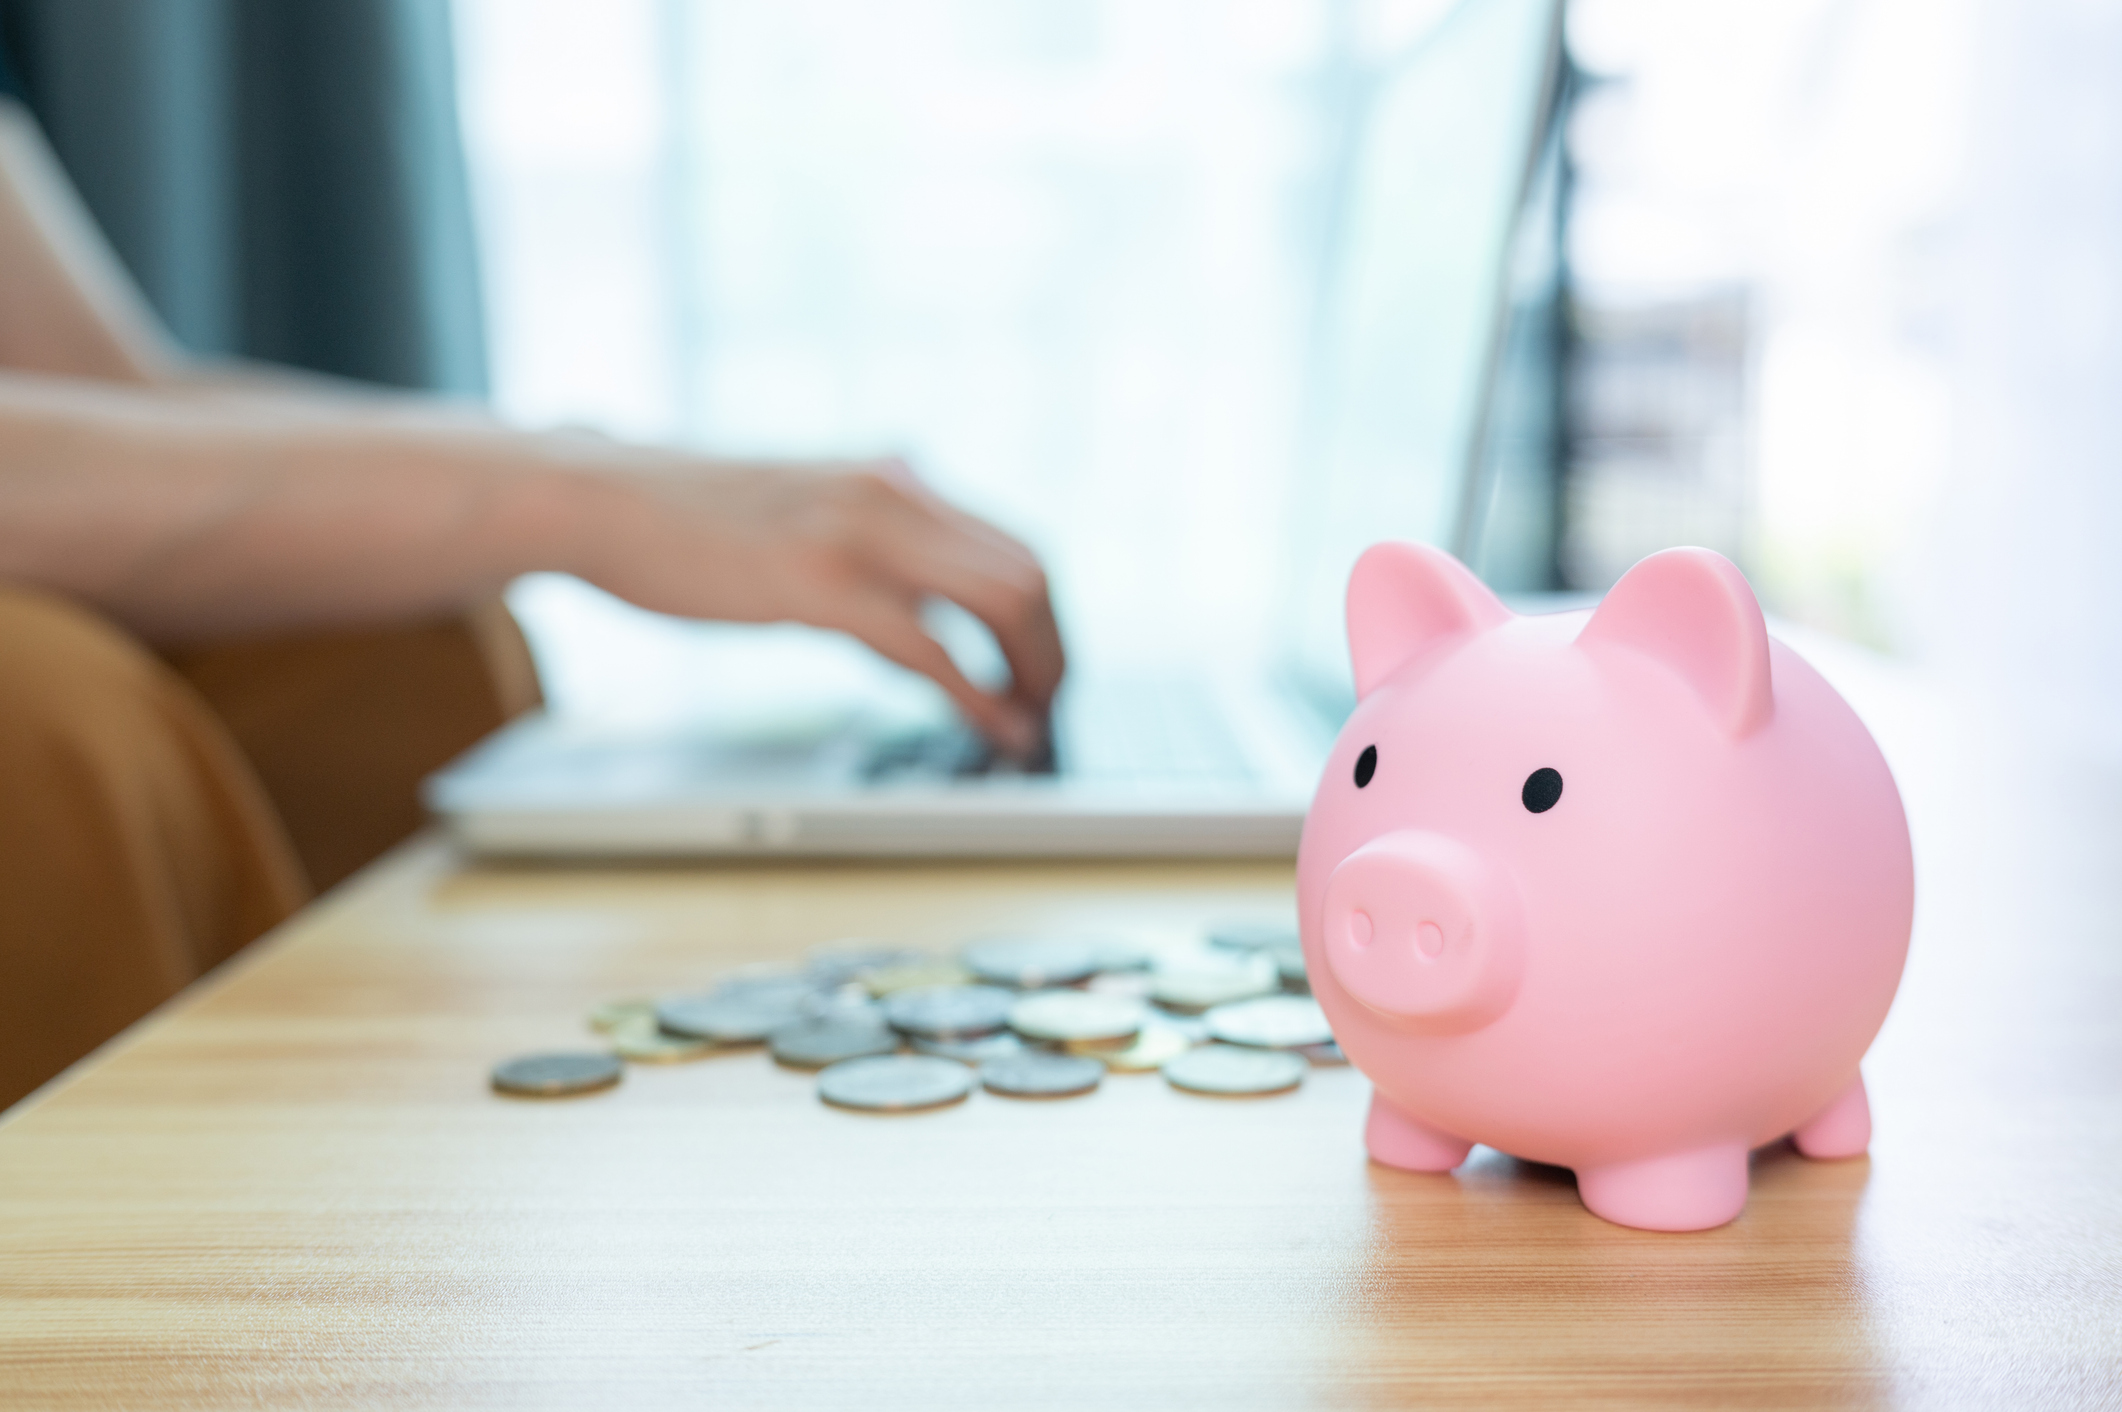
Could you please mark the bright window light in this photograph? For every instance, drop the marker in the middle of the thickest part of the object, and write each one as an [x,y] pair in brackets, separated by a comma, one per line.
[1059,255]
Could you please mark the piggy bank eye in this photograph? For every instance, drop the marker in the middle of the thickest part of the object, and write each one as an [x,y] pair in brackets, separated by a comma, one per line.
[1366,765]
[1542,788]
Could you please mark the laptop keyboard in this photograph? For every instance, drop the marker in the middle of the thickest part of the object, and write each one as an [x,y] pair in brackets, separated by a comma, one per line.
[949,751]
[1138,729]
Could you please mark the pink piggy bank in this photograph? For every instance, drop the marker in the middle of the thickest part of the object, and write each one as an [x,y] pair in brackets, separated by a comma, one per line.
[1626,891]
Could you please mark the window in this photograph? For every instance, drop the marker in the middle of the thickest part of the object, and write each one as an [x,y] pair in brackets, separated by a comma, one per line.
[1059,254]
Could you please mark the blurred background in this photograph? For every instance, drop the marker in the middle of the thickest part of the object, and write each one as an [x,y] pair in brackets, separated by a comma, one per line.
[1834,287]
[1841,284]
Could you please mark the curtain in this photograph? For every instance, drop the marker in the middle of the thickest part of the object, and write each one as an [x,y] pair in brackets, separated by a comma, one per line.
[285,180]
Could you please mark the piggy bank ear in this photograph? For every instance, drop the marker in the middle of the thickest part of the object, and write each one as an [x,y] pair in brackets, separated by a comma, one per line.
[1403,598]
[1693,610]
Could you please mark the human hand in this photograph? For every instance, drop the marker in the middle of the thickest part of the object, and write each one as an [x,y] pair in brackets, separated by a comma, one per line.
[855,546]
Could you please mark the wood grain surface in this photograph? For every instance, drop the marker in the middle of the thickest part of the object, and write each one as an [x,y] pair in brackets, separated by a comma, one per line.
[294,1186]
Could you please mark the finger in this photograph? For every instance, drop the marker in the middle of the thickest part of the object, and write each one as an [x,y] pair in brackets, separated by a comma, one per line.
[891,628]
[994,578]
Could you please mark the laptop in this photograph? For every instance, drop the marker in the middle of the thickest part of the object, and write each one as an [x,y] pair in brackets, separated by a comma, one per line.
[1441,165]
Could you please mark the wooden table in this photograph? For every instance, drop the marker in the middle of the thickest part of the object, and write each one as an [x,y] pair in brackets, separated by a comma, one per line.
[295,1187]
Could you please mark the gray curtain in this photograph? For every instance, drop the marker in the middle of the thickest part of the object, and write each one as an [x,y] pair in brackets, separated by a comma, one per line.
[284,177]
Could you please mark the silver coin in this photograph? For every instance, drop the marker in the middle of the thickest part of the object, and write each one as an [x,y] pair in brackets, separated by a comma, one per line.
[972,1051]
[1112,954]
[1324,1056]
[895,1083]
[949,1011]
[815,1043]
[1132,984]
[850,1002]
[1228,1070]
[1202,980]
[834,966]
[557,1075]
[915,975]
[1193,1027]
[1031,963]
[1289,965]
[1252,935]
[770,988]
[1271,1022]
[1036,1075]
[1076,1016]
[745,1017]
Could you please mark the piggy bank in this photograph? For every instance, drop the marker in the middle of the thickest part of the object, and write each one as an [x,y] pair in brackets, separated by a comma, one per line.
[1626,891]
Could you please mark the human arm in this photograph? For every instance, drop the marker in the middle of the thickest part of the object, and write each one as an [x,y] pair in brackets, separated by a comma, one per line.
[189,518]
[191,502]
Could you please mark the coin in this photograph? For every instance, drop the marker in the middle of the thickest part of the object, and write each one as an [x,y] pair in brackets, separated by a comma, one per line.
[769,988]
[915,975]
[972,1051]
[852,961]
[815,1043]
[1271,1022]
[949,1011]
[1323,1055]
[1201,980]
[557,1075]
[1289,965]
[1252,935]
[1134,984]
[847,1003]
[1076,1016]
[1193,1027]
[1112,954]
[1031,963]
[1157,1045]
[742,1017]
[1227,1070]
[1035,1075]
[895,1083]
[622,1014]
[642,1043]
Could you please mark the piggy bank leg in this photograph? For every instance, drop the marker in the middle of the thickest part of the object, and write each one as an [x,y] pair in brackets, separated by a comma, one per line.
[1686,1191]
[1399,1141]
[1841,1129]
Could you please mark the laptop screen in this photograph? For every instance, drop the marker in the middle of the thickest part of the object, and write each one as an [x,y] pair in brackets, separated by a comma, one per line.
[1440,154]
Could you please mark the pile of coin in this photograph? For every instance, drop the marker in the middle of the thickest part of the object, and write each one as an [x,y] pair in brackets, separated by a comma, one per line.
[1023,1017]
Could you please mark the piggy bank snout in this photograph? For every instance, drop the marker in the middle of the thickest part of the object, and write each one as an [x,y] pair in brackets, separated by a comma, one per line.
[1422,930]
